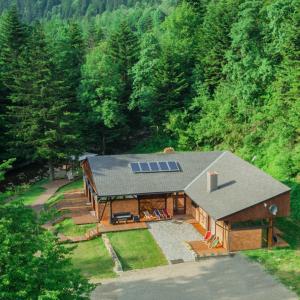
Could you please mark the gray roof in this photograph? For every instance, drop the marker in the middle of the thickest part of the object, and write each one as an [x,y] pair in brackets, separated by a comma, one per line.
[241,185]
[113,176]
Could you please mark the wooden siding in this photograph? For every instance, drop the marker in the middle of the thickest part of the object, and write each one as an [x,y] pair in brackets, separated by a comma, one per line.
[259,211]
[245,239]
[88,173]
[130,205]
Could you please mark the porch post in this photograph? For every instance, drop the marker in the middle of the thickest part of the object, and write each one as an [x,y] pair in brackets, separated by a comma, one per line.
[110,205]
[270,233]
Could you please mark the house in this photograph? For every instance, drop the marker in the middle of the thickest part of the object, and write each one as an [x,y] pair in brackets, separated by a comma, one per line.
[233,199]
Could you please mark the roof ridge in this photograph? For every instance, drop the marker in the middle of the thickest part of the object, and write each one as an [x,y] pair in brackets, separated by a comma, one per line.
[211,164]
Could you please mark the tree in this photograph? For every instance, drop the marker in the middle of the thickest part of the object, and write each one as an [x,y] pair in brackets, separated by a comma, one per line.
[42,120]
[4,166]
[123,49]
[32,263]
[12,39]
[145,95]
[215,41]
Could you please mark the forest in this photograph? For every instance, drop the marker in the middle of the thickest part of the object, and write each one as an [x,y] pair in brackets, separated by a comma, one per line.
[119,76]
[139,76]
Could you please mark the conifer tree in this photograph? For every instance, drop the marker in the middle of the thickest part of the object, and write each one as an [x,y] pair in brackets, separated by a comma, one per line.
[42,119]
[12,39]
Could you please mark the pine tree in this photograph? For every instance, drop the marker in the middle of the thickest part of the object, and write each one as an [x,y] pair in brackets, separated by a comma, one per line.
[42,119]
[124,49]
[12,39]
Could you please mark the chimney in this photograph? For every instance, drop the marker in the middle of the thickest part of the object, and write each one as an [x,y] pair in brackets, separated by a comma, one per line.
[212,181]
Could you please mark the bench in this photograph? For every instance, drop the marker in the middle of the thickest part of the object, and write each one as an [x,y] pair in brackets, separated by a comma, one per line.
[121,217]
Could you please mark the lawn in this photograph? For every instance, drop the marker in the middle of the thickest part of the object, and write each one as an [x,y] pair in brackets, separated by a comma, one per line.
[29,194]
[58,196]
[137,249]
[74,185]
[69,228]
[283,263]
[93,260]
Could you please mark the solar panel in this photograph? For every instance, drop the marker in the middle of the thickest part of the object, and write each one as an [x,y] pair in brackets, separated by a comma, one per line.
[173,166]
[144,167]
[154,166]
[163,166]
[135,167]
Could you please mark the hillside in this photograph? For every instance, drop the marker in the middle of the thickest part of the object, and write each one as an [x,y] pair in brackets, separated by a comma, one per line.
[33,10]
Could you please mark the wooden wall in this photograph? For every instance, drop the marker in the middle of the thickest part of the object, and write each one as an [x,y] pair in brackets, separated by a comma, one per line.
[245,239]
[130,205]
[259,211]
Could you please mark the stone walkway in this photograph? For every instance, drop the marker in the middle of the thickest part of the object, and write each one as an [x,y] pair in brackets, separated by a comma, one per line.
[51,188]
[171,236]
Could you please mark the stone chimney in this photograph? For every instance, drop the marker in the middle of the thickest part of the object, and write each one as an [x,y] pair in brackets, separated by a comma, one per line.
[212,181]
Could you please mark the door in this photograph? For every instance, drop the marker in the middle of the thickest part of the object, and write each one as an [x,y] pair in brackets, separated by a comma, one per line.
[179,204]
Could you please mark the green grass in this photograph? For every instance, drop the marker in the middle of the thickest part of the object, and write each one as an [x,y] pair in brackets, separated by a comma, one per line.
[30,195]
[69,228]
[284,263]
[74,185]
[93,260]
[58,196]
[137,249]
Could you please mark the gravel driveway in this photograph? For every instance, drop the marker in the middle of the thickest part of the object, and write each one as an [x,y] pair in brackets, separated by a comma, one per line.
[222,278]
[171,237]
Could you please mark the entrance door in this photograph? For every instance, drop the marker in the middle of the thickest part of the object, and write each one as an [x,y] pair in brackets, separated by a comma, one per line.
[179,204]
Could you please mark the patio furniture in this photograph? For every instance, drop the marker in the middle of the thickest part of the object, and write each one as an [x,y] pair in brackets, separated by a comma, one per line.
[161,211]
[156,213]
[136,218]
[147,215]
[166,213]
[214,243]
[207,235]
[121,217]
[210,239]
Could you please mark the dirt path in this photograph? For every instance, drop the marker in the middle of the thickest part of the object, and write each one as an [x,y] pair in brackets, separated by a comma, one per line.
[51,188]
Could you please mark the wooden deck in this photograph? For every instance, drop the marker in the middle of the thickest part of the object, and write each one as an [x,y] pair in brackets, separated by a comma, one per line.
[202,249]
[107,227]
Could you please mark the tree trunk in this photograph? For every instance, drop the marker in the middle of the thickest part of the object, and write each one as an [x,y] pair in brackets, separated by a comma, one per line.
[51,171]
[103,144]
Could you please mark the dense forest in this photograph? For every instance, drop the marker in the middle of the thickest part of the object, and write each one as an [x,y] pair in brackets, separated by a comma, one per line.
[214,74]
[46,9]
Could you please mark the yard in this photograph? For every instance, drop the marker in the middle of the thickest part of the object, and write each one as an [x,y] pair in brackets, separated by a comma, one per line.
[284,263]
[69,228]
[59,195]
[93,260]
[25,193]
[137,249]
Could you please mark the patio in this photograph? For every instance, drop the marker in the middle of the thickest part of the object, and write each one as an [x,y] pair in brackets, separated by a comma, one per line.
[171,236]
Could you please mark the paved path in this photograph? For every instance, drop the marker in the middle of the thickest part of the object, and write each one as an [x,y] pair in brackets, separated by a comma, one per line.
[171,237]
[226,278]
[51,188]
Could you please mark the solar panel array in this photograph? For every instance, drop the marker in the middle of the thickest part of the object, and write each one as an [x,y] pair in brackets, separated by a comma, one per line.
[155,167]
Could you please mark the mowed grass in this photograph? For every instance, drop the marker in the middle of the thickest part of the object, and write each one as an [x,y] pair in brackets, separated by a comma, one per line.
[283,263]
[59,195]
[92,260]
[137,249]
[69,228]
